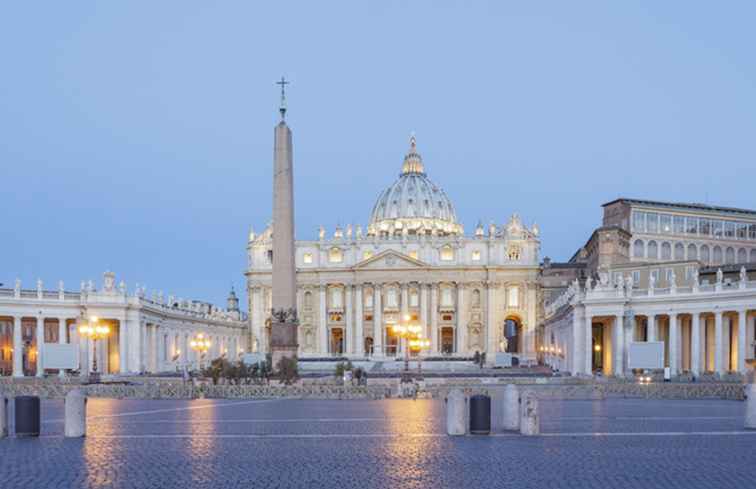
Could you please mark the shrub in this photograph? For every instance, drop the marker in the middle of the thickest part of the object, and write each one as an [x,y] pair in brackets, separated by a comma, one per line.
[342,367]
[288,371]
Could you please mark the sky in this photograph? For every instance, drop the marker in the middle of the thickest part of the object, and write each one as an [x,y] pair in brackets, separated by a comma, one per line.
[138,136]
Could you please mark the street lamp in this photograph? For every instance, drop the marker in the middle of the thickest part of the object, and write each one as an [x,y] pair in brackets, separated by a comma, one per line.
[200,344]
[413,340]
[96,332]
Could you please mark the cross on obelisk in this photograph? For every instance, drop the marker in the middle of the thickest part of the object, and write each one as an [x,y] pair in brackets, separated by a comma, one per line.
[282,108]
[284,322]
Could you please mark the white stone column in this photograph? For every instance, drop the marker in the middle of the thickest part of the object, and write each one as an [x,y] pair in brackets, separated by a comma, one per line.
[62,333]
[323,326]
[491,330]
[18,348]
[718,346]
[142,346]
[617,345]
[123,351]
[424,309]
[742,340]
[40,345]
[349,336]
[461,324]
[695,344]
[674,344]
[153,361]
[359,341]
[257,321]
[588,342]
[405,312]
[653,326]
[377,321]
[434,319]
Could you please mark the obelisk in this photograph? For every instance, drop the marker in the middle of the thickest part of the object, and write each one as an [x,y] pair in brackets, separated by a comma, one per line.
[284,322]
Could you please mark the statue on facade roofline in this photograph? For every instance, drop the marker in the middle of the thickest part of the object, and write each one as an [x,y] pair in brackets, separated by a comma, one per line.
[349,231]
[720,276]
[359,231]
[652,281]
[743,274]
[39,285]
[60,286]
[17,287]
[321,233]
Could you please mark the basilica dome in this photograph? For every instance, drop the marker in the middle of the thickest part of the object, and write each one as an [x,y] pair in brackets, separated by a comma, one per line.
[413,204]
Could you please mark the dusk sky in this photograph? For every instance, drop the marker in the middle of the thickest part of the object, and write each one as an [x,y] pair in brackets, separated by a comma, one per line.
[138,136]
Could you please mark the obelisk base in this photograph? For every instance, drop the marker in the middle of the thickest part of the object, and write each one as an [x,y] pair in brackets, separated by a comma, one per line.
[283,341]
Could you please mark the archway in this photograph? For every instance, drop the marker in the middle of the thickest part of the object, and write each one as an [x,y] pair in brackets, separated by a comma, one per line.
[512,333]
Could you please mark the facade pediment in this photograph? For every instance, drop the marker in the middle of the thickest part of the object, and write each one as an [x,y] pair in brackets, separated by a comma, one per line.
[389,259]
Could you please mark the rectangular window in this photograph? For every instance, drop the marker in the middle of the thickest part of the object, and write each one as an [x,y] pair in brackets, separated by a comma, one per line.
[729,230]
[717,229]
[752,231]
[639,221]
[652,222]
[679,225]
[655,274]
[636,277]
[666,223]
[688,273]
[704,227]
[307,258]
[691,225]
[668,275]
[742,230]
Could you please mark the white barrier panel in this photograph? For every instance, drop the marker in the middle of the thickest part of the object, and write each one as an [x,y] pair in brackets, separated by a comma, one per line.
[648,355]
[60,356]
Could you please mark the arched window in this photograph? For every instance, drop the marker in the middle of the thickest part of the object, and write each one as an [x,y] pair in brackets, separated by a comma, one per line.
[335,255]
[692,252]
[653,251]
[308,300]
[742,255]
[336,301]
[717,255]
[447,253]
[513,297]
[705,257]
[638,248]
[730,255]
[476,298]
[307,258]
[679,251]
[666,251]
[369,298]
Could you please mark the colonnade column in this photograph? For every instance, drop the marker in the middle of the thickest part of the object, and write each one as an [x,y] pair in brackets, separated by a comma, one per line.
[123,354]
[742,340]
[674,344]
[359,341]
[377,321]
[18,348]
[491,347]
[652,327]
[588,343]
[718,346]
[40,345]
[62,333]
[617,346]
[434,319]
[695,344]
[323,329]
[461,328]
[152,362]
[405,312]
[424,309]
[349,341]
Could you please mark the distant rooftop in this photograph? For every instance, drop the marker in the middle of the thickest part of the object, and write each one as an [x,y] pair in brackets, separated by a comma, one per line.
[684,205]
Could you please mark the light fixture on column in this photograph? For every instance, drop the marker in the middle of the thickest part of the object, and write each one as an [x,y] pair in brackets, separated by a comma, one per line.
[95,331]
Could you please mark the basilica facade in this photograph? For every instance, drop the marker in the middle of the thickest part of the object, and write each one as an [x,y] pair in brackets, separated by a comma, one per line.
[411,263]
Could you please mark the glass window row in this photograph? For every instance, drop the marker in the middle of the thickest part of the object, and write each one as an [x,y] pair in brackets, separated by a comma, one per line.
[654,222]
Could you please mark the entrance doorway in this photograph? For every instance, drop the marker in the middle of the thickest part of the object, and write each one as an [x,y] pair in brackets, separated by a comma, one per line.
[337,340]
[447,340]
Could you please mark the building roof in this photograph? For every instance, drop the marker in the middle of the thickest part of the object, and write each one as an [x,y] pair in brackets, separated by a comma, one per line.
[684,206]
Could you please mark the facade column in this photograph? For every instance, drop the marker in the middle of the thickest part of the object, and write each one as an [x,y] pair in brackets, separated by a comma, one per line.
[434,319]
[742,340]
[323,327]
[674,344]
[491,346]
[18,348]
[40,345]
[617,345]
[377,321]
[576,356]
[405,312]
[424,309]
[653,326]
[359,340]
[718,346]
[588,343]
[349,336]
[695,344]
[123,353]
[152,361]
[257,327]
[62,333]
[143,349]
[461,326]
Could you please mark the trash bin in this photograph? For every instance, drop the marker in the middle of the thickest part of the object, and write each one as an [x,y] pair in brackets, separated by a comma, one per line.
[27,416]
[480,415]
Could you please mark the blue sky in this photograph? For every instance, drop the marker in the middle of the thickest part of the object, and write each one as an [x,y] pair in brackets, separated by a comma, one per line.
[137,136]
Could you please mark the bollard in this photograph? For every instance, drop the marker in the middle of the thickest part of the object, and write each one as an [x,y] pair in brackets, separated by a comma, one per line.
[3,417]
[27,413]
[750,414]
[455,413]
[529,422]
[76,414]
[511,408]
[480,415]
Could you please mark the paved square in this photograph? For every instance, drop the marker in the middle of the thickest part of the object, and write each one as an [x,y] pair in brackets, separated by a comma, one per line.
[382,444]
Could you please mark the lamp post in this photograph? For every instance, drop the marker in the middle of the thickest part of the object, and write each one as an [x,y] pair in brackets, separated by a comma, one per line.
[411,334]
[200,344]
[96,332]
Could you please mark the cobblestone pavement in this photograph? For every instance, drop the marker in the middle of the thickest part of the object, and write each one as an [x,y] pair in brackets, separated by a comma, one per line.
[383,444]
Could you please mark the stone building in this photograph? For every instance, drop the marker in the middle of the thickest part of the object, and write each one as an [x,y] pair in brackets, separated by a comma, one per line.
[146,334]
[469,293]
